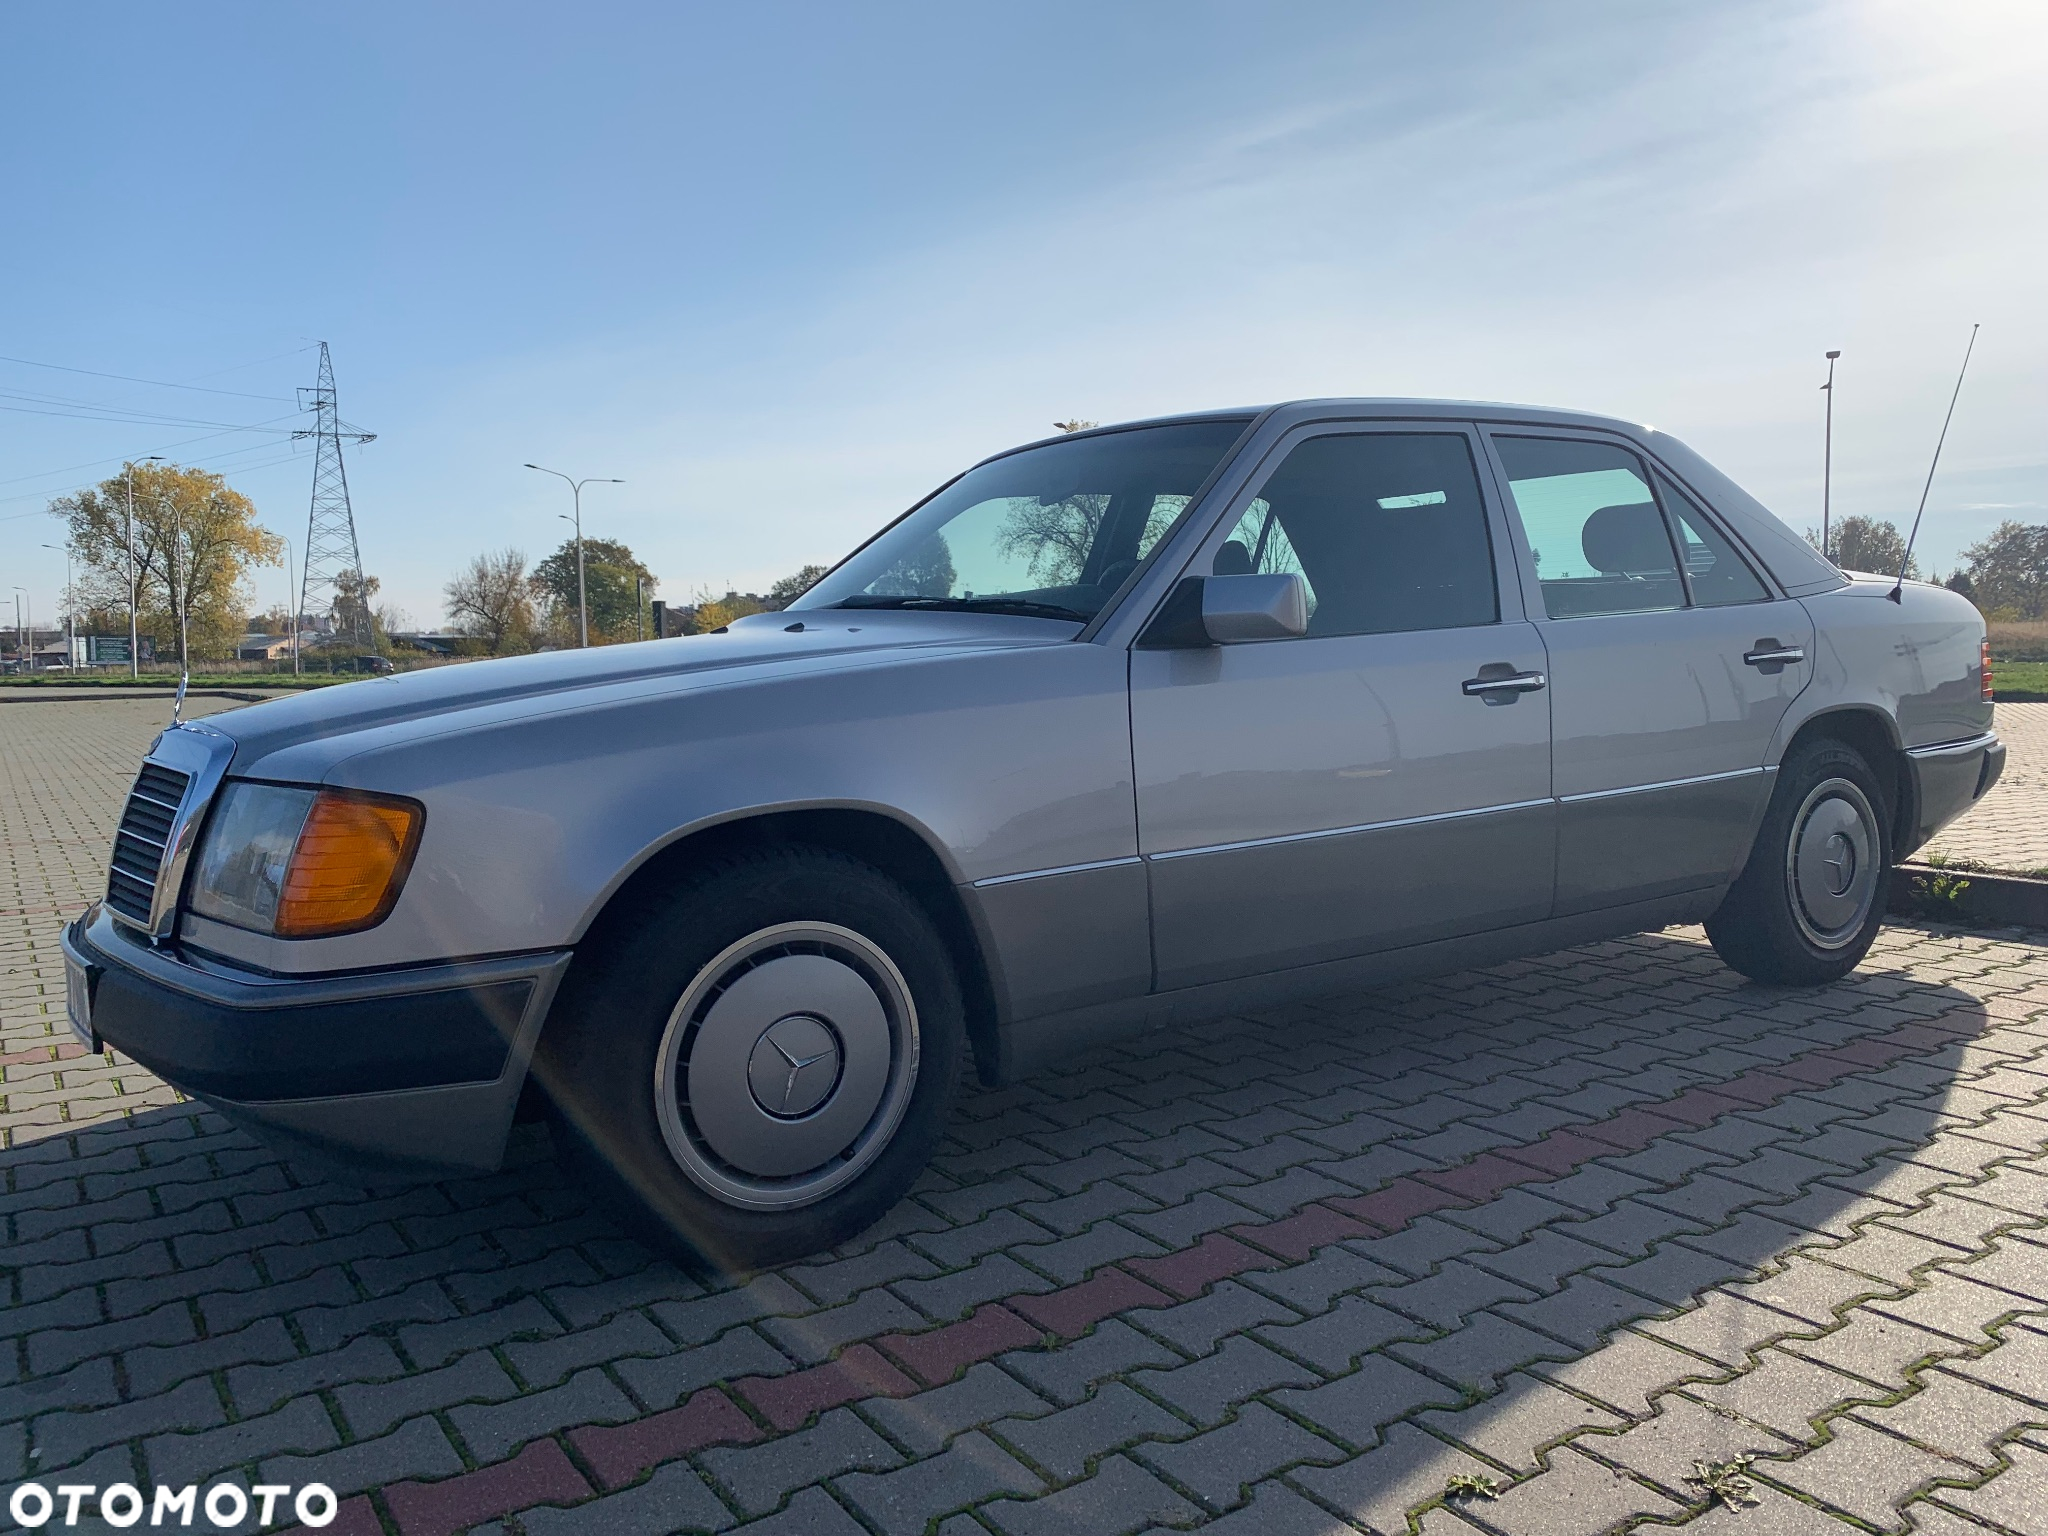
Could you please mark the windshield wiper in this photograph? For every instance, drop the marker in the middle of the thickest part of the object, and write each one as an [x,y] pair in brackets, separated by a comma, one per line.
[1017,605]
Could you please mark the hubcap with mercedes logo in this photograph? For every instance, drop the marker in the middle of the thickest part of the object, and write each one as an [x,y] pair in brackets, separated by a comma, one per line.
[1833,863]
[794,1066]
[786,1065]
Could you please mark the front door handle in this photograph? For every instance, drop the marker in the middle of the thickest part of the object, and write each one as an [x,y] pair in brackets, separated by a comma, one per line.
[1509,682]
[1773,655]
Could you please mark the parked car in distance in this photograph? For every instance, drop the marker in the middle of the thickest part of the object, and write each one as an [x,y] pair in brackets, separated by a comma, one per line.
[1124,728]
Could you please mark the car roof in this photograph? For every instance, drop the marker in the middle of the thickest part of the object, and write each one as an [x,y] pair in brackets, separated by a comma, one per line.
[1312,407]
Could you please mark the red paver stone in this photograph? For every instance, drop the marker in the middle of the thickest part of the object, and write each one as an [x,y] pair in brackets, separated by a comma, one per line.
[1559,1153]
[1392,1208]
[937,1356]
[1073,1310]
[1632,1129]
[1698,1107]
[618,1455]
[355,1517]
[1295,1237]
[1870,1053]
[786,1401]
[540,1474]
[1818,1070]
[1757,1087]
[68,1050]
[1483,1177]
[1192,1270]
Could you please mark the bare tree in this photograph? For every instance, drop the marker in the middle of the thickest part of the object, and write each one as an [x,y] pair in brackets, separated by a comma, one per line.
[493,601]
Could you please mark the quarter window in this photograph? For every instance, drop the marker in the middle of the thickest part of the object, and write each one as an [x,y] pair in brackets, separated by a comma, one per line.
[1598,539]
[1387,528]
[1720,577]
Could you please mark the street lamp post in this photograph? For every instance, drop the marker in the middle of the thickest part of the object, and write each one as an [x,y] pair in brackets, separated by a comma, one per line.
[70,606]
[1827,459]
[291,601]
[134,634]
[576,489]
[24,650]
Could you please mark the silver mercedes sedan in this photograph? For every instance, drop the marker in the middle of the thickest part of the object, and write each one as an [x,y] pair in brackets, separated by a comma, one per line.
[1117,730]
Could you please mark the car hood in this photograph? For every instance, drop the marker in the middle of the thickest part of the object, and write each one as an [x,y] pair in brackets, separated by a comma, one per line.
[753,650]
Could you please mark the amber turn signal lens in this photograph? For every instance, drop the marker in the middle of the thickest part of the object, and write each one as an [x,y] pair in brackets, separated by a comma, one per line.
[349,865]
[1984,665]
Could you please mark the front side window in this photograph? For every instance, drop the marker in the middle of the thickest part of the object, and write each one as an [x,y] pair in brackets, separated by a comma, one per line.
[1594,529]
[1387,528]
[1051,532]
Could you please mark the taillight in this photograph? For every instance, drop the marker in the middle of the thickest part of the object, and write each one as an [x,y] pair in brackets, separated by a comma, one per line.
[1984,665]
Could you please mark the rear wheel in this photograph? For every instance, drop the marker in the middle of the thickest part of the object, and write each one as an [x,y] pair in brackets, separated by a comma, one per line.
[757,1065]
[1808,905]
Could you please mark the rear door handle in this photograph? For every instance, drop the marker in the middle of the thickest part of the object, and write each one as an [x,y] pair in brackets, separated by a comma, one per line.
[1775,656]
[1513,682]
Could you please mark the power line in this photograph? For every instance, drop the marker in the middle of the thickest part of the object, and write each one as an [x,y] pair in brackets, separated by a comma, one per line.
[139,421]
[202,461]
[123,458]
[125,378]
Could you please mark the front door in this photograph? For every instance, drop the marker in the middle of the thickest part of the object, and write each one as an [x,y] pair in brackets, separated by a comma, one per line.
[1311,799]
[1668,676]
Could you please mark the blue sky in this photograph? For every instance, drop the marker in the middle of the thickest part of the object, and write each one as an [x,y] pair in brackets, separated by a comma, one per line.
[782,267]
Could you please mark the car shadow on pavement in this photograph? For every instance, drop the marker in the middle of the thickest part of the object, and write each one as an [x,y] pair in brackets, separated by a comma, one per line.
[1571,1232]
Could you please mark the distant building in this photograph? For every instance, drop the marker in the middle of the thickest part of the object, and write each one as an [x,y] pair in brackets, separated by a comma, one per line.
[263,647]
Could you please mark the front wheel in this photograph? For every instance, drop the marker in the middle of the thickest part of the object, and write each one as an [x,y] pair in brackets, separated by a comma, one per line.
[1808,905]
[758,1064]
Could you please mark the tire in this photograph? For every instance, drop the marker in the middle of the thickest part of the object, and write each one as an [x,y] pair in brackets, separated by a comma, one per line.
[1809,903]
[758,1064]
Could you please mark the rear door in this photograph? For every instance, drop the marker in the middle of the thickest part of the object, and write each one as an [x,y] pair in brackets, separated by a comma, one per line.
[1309,799]
[1671,664]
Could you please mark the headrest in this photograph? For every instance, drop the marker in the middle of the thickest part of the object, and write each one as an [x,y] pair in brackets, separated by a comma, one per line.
[1626,538]
[1233,559]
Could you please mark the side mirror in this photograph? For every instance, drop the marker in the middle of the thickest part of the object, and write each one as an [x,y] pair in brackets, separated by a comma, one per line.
[1254,608]
[1223,610]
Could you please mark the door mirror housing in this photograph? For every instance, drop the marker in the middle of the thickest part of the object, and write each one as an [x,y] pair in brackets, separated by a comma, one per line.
[1248,607]
[1229,610]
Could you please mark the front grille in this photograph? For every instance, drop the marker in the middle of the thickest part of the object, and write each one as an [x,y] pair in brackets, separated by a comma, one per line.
[140,840]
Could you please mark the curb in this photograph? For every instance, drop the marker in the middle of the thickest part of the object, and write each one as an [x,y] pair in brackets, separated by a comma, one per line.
[25,696]
[1998,901]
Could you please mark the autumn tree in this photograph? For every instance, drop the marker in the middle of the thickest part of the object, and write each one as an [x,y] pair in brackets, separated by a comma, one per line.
[492,602]
[613,579]
[2008,572]
[712,613]
[195,543]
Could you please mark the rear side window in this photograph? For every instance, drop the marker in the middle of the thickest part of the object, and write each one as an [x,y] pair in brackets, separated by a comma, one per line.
[1720,577]
[1387,528]
[1598,539]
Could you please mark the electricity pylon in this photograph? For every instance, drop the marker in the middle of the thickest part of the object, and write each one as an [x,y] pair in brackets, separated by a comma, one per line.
[334,561]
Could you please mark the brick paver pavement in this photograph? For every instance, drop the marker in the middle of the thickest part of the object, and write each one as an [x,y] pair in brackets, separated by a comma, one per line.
[1583,1231]
[2008,830]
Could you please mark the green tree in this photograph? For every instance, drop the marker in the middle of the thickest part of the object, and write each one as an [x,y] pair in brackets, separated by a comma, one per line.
[613,579]
[2008,571]
[792,587]
[195,543]
[1865,544]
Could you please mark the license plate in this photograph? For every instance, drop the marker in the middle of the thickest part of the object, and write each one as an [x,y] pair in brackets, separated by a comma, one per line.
[78,1003]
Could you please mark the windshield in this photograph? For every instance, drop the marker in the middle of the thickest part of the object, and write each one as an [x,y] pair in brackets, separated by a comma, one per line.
[1052,531]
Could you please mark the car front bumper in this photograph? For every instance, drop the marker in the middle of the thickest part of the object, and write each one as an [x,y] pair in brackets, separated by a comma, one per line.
[1947,780]
[411,1070]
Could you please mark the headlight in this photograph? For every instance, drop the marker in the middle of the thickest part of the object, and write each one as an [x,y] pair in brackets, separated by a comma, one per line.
[304,863]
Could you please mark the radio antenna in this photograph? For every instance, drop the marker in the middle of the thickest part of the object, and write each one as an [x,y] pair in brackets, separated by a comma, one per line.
[1897,593]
